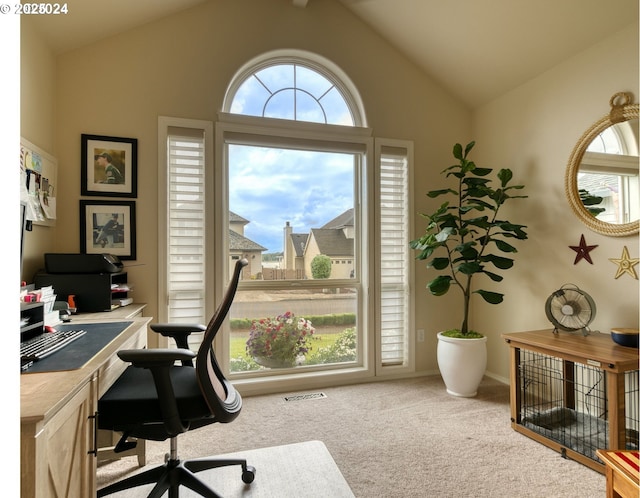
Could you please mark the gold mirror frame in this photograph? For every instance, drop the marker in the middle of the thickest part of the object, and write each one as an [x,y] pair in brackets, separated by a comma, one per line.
[621,110]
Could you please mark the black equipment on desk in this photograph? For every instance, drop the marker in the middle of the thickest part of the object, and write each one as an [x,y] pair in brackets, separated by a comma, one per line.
[94,280]
[82,263]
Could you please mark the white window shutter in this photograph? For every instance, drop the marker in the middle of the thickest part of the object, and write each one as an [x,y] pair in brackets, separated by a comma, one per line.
[186,225]
[394,255]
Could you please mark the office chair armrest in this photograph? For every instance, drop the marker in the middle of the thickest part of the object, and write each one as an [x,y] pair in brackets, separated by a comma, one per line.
[178,331]
[148,358]
[159,362]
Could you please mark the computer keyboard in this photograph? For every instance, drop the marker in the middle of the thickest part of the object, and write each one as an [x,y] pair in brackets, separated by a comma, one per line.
[43,345]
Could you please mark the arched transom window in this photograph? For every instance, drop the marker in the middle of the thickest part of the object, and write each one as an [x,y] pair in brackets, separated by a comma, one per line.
[298,89]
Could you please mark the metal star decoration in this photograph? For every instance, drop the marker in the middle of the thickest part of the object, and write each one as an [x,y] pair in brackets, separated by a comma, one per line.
[625,264]
[583,251]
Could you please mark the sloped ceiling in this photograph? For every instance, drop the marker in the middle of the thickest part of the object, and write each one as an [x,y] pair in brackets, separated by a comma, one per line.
[478,49]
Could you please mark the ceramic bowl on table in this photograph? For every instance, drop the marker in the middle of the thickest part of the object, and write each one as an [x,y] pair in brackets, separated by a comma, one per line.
[625,337]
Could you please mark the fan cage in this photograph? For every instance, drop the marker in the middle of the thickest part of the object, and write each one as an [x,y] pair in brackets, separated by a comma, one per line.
[566,402]
[580,309]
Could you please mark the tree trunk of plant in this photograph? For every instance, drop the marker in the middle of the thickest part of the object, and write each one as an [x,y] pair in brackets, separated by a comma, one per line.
[467,297]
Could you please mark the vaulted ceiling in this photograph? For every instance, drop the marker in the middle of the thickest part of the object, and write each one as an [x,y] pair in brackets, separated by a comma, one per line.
[478,49]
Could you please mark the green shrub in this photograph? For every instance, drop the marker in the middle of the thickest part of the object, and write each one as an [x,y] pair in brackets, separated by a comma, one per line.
[343,350]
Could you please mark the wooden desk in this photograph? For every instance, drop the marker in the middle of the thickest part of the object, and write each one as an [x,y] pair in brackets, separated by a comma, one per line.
[622,473]
[58,433]
[572,351]
[108,439]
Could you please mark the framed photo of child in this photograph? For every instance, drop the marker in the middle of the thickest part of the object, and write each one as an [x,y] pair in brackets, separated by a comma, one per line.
[109,166]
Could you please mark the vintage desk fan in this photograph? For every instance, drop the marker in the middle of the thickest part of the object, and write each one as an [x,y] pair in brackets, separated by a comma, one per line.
[570,309]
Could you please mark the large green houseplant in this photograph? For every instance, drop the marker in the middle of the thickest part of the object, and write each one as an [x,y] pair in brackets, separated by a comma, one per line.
[465,237]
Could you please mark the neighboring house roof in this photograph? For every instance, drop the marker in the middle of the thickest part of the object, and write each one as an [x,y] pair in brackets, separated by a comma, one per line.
[343,220]
[332,242]
[236,218]
[238,242]
[299,241]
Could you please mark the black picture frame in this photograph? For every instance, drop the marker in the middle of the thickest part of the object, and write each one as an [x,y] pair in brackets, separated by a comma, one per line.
[109,166]
[108,226]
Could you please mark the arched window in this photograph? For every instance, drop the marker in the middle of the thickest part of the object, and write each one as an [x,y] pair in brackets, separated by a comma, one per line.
[296,86]
[299,181]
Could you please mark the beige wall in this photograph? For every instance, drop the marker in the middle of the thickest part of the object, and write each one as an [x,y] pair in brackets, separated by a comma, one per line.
[37,117]
[180,66]
[533,130]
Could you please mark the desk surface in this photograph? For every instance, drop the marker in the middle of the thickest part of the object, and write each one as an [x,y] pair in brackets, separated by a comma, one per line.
[43,394]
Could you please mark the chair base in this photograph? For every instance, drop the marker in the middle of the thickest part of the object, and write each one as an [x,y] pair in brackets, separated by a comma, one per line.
[174,473]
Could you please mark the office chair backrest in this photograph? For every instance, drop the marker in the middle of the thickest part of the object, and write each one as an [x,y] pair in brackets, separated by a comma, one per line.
[223,400]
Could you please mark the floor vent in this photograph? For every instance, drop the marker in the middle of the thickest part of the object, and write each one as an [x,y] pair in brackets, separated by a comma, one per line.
[300,397]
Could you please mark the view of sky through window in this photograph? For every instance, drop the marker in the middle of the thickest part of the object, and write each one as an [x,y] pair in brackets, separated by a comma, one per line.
[269,187]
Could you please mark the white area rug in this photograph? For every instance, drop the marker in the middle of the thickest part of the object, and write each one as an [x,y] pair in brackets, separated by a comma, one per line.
[290,471]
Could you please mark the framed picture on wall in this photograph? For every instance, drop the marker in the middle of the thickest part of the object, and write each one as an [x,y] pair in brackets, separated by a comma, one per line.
[109,166]
[108,227]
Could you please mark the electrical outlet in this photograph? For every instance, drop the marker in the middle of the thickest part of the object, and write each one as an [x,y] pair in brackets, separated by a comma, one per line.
[420,335]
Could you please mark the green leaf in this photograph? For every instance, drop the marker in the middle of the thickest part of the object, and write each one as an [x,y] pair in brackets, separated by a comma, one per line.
[481,222]
[468,148]
[436,193]
[439,263]
[498,262]
[444,234]
[491,297]
[517,230]
[440,285]
[482,171]
[457,151]
[505,176]
[503,246]
[493,276]
[469,268]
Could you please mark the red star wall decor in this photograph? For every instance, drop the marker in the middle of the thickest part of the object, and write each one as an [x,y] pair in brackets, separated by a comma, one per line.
[583,251]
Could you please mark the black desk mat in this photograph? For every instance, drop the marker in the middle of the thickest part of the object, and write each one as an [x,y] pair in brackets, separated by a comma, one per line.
[76,354]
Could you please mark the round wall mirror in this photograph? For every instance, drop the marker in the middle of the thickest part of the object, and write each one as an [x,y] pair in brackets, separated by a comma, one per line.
[602,177]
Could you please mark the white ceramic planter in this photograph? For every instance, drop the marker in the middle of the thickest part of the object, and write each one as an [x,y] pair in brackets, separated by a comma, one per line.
[462,363]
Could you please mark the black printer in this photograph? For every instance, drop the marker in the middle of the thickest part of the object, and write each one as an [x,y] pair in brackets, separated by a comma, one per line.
[95,281]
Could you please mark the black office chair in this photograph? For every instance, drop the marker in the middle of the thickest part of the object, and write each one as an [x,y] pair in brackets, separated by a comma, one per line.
[157,399]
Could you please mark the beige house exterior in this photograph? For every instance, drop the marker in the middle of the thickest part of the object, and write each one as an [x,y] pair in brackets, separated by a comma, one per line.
[335,239]
[242,247]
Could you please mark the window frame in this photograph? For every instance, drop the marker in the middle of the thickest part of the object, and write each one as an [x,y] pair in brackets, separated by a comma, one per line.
[280,131]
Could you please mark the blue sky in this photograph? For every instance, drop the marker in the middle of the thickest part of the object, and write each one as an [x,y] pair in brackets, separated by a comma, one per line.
[270,186]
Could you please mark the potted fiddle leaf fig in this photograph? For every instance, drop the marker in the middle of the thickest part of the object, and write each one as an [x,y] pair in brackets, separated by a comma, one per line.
[465,238]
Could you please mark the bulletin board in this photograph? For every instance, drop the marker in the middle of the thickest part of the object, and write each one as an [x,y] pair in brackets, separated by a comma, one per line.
[38,183]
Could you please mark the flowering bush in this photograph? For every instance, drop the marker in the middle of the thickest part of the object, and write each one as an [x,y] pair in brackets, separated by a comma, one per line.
[279,341]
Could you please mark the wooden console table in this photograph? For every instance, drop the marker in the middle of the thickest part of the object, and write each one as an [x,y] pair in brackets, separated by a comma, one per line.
[58,433]
[572,352]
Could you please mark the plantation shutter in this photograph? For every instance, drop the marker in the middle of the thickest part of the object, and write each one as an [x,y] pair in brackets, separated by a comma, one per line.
[186,225]
[394,255]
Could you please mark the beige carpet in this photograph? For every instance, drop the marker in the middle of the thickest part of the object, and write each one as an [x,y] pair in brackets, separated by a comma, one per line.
[403,438]
[288,471]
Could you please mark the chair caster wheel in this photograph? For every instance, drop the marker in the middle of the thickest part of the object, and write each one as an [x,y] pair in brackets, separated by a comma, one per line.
[248,474]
